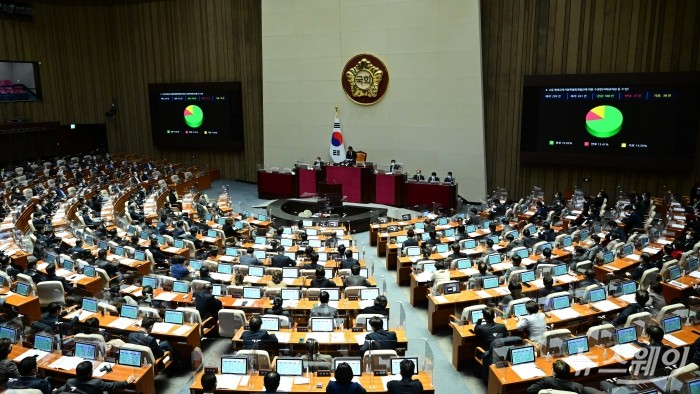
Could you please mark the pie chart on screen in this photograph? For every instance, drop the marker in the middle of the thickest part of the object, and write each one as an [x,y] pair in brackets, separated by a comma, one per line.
[604,121]
[194,116]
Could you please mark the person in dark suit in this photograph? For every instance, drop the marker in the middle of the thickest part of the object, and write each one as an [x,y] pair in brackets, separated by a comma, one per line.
[487,330]
[320,279]
[51,276]
[559,381]
[228,229]
[418,176]
[350,156]
[589,279]
[112,268]
[28,380]
[158,256]
[255,337]
[277,308]
[84,383]
[547,233]
[433,178]
[87,218]
[406,385]
[527,240]
[633,220]
[271,381]
[641,298]
[179,230]
[343,383]
[249,258]
[379,307]
[348,261]
[204,275]
[314,262]
[393,166]
[449,178]
[433,240]
[144,338]
[207,305]
[645,263]
[318,162]
[280,260]
[549,288]
[323,309]
[355,279]
[411,240]
[379,338]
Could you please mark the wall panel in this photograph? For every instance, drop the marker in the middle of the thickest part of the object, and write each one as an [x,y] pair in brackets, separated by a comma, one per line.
[93,52]
[577,36]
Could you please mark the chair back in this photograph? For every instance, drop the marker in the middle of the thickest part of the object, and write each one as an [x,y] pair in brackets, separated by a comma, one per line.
[146,352]
[107,308]
[284,320]
[674,382]
[468,309]
[92,338]
[149,311]
[50,291]
[259,359]
[353,291]
[378,359]
[362,319]
[553,341]
[648,276]
[230,321]
[638,320]
[603,334]
[669,309]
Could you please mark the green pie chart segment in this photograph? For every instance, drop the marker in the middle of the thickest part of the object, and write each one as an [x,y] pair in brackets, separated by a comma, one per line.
[193,116]
[604,121]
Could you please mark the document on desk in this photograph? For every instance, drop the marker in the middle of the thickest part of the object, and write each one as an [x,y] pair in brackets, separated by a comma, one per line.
[566,278]
[663,241]
[528,261]
[360,338]
[528,371]
[293,303]
[333,304]
[182,330]
[580,362]
[171,249]
[538,283]
[227,259]
[122,323]
[221,277]
[440,299]
[286,383]
[389,378]
[502,290]
[289,281]
[283,337]
[66,363]
[483,294]
[566,313]
[674,340]
[651,250]
[166,296]
[629,298]
[252,279]
[76,277]
[469,271]
[337,337]
[676,225]
[130,289]
[695,274]
[605,305]
[228,381]
[501,266]
[626,350]
[301,380]
[63,272]
[424,277]
[321,337]
[31,352]
[82,315]
[162,327]
[633,256]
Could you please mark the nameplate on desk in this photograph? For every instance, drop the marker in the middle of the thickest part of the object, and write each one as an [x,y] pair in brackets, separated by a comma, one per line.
[357,329]
[237,296]
[313,298]
[302,329]
[380,372]
[323,373]
[352,298]
[263,372]
[246,328]
[213,370]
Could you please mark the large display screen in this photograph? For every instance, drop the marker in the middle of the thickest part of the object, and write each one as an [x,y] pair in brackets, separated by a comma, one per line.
[197,115]
[630,120]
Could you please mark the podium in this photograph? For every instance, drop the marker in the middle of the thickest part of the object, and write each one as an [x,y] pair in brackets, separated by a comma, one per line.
[388,189]
[277,185]
[422,193]
[309,177]
[356,182]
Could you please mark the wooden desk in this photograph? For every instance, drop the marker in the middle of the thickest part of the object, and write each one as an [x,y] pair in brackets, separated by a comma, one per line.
[144,376]
[309,177]
[506,381]
[92,286]
[464,341]
[371,384]
[28,306]
[673,293]
[441,307]
[332,344]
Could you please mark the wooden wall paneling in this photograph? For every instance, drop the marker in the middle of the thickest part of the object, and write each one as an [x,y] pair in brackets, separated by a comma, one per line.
[577,36]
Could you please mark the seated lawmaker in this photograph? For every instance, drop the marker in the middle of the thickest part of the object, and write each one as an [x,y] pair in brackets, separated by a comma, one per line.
[418,176]
[355,279]
[320,279]
[379,307]
[379,338]
[433,178]
[641,298]
[84,383]
[560,380]
[350,156]
[255,338]
[407,385]
[323,309]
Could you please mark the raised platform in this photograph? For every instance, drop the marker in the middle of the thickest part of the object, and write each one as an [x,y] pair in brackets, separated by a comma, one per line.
[356,217]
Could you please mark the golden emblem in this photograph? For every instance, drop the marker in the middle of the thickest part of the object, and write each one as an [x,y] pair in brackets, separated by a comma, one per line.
[364,79]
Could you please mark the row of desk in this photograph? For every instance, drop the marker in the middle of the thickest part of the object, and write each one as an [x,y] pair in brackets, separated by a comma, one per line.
[358,184]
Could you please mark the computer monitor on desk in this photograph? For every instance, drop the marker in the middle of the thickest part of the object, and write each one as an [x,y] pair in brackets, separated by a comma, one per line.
[130,358]
[290,366]
[232,365]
